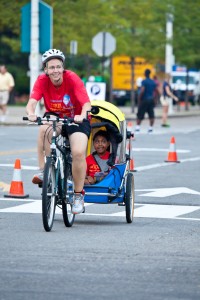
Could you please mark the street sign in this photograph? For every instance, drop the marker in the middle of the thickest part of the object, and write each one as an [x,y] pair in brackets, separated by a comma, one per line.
[103,44]
[121,71]
[96,90]
[45,27]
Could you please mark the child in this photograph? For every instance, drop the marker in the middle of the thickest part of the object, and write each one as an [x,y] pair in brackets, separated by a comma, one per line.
[97,161]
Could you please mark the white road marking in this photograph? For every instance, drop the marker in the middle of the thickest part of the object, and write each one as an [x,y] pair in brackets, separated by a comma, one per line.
[139,168]
[22,167]
[166,192]
[157,150]
[142,211]
[164,164]
[157,211]
[30,206]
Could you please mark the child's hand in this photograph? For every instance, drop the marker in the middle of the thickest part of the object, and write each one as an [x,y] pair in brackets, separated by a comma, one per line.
[89,180]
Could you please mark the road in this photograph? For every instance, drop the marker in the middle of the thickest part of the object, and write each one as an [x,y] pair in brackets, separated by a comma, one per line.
[101,256]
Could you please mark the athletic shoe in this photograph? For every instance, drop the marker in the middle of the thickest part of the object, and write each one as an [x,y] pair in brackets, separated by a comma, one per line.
[137,130]
[38,178]
[78,203]
[165,125]
[150,130]
[3,118]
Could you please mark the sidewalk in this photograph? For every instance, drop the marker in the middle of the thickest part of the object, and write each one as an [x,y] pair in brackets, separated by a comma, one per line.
[15,113]
[182,112]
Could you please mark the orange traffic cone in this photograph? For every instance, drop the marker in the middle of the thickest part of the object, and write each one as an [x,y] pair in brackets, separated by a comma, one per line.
[130,126]
[132,165]
[16,187]
[172,155]
[131,162]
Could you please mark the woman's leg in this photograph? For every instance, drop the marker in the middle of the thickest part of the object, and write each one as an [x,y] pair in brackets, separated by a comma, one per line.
[78,143]
[44,141]
[165,114]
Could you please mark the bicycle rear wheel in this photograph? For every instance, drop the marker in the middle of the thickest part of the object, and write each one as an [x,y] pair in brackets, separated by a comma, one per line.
[49,194]
[68,216]
[129,198]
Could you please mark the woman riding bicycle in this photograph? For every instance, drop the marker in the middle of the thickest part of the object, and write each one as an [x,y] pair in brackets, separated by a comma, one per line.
[64,94]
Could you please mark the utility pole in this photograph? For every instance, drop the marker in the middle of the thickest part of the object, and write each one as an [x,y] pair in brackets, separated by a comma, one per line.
[132,85]
[168,47]
[169,50]
[34,54]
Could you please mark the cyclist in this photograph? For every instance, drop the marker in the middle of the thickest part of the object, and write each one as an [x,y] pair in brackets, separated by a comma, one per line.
[64,94]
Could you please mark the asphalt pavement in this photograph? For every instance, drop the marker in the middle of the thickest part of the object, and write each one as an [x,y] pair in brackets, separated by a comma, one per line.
[15,113]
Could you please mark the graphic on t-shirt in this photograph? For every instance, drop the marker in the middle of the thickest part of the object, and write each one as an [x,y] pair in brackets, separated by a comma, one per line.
[68,105]
[66,99]
[56,105]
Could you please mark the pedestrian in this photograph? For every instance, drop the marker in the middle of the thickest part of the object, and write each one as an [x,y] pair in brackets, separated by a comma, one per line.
[166,100]
[64,94]
[138,87]
[7,83]
[156,93]
[97,167]
[196,92]
[146,101]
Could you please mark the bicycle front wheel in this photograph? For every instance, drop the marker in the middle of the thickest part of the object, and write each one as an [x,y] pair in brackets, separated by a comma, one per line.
[68,216]
[49,194]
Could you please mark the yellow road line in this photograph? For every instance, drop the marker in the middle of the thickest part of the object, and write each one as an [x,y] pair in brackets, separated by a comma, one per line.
[17,151]
[4,186]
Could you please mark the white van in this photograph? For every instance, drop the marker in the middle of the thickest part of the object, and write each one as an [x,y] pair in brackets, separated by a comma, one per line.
[180,86]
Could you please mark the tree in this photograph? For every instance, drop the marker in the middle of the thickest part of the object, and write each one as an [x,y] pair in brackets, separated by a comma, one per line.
[138,25]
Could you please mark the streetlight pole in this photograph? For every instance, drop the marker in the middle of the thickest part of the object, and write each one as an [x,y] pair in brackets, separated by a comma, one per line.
[169,51]
[132,84]
[34,54]
[168,47]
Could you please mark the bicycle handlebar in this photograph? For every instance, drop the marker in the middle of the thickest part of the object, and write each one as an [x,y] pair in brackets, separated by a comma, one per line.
[49,119]
[39,120]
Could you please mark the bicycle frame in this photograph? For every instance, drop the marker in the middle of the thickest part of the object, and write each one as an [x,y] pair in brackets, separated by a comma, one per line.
[55,188]
[62,161]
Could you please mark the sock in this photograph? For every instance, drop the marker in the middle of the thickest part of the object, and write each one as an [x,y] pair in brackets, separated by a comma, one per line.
[82,192]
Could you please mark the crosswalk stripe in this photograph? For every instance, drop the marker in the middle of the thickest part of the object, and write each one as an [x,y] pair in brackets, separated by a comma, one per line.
[141,210]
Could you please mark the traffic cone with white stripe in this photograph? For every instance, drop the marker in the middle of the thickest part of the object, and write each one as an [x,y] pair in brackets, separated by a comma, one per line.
[129,151]
[130,126]
[16,187]
[172,155]
[132,165]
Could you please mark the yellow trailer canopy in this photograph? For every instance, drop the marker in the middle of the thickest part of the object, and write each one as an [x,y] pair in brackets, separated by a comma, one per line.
[108,111]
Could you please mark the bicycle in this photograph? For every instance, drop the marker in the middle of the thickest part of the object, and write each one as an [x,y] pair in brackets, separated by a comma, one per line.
[58,186]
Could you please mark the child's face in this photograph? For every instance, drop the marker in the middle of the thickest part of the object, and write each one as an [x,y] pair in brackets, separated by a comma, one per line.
[101,144]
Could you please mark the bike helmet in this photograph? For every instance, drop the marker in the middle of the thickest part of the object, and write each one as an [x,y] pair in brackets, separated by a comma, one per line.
[52,53]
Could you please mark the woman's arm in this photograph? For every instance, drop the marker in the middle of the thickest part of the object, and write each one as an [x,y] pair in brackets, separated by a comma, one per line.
[170,94]
[30,109]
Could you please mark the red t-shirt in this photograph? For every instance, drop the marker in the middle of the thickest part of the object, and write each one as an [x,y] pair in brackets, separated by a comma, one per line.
[92,166]
[72,87]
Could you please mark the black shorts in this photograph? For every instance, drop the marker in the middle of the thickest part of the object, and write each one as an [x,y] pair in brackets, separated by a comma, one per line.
[83,127]
[146,107]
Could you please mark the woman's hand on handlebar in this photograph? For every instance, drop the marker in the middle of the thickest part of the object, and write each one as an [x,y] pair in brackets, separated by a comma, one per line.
[32,118]
[79,118]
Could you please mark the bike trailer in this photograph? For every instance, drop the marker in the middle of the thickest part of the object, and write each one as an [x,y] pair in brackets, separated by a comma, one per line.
[112,188]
